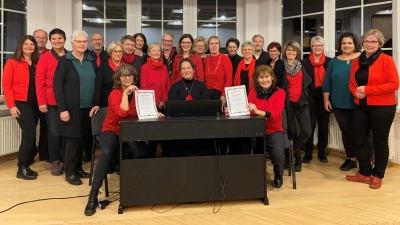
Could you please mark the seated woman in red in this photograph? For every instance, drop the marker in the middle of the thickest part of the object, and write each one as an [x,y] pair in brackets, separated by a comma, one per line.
[268,101]
[121,104]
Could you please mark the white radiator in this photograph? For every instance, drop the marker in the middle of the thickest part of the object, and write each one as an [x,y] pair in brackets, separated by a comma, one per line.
[10,135]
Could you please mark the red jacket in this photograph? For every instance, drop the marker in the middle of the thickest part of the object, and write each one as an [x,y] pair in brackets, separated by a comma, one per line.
[383,81]
[221,76]
[115,113]
[274,105]
[44,79]
[198,71]
[15,81]
[157,80]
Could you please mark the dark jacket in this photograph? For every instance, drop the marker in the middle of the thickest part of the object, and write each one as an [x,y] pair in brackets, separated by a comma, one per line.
[104,85]
[262,60]
[279,70]
[104,56]
[66,87]
[235,60]
[310,70]
[137,64]
[171,63]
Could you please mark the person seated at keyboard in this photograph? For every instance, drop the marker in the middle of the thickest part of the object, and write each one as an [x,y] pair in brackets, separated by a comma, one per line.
[189,89]
[121,104]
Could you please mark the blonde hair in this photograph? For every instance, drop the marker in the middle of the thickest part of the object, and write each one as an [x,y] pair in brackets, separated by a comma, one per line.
[295,45]
[375,32]
[113,45]
[152,45]
[203,39]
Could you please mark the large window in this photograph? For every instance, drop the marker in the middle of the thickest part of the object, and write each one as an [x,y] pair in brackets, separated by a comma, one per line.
[13,26]
[162,16]
[374,14]
[107,18]
[217,17]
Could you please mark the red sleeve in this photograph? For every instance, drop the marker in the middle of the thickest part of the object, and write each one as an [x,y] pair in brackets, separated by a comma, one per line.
[40,80]
[8,80]
[228,70]
[175,70]
[199,72]
[114,102]
[278,104]
[353,84]
[144,75]
[251,98]
[392,78]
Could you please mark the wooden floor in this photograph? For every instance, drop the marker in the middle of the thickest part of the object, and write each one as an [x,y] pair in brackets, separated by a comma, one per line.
[323,196]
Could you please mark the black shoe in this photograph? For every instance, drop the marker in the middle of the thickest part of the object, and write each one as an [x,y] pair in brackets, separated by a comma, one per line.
[24,172]
[82,174]
[307,158]
[74,180]
[278,181]
[93,203]
[297,166]
[323,159]
[31,171]
[348,165]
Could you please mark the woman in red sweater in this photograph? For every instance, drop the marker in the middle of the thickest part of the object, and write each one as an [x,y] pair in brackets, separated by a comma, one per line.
[47,101]
[267,100]
[20,93]
[373,82]
[154,76]
[121,104]
[217,71]
[187,49]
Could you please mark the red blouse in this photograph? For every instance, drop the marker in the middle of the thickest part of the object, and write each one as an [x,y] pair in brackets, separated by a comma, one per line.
[218,72]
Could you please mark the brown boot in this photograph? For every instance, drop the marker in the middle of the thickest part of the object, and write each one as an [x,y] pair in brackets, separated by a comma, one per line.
[56,168]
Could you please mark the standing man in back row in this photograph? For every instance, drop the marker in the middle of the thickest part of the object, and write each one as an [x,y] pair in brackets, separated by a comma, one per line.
[259,53]
[97,52]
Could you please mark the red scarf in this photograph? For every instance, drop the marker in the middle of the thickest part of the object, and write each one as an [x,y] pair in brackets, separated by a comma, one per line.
[129,58]
[242,67]
[112,64]
[153,64]
[319,70]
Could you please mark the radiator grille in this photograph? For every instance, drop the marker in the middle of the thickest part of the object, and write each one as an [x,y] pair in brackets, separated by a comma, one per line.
[10,135]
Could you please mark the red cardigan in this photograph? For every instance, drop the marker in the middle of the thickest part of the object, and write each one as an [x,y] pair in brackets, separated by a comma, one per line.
[157,80]
[222,77]
[198,71]
[44,79]
[16,81]
[115,113]
[383,81]
[274,105]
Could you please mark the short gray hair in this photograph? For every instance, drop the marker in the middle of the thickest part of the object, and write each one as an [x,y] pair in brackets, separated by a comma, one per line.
[39,30]
[128,37]
[77,33]
[247,43]
[319,39]
[169,35]
[257,35]
[113,45]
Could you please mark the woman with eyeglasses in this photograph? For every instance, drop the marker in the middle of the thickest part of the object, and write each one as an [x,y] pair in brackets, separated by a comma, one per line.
[74,84]
[201,46]
[121,104]
[316,65]
[275,62]
[374,81]
[186,49]
[295,83]
[20,94]
[246,66]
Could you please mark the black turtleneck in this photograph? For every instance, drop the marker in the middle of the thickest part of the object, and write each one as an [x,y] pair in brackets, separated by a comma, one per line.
[178,90]
[235,60]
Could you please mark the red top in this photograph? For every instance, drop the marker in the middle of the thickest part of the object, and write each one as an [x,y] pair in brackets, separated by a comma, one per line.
[198,71]
[295,84]
[157,80]
[274,105]
[15,81]
[44,51]
[218,76]
[115,113]
[383,81]
[44,79]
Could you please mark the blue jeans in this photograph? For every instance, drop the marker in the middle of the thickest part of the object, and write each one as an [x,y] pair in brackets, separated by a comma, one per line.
[54,138]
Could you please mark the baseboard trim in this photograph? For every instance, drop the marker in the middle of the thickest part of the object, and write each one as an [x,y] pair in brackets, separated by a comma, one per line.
[8,157]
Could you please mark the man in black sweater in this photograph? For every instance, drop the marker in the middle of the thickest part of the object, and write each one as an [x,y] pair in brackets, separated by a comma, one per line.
[259,54]
[97,52]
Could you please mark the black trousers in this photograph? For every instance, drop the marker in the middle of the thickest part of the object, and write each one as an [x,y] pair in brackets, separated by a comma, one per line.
[109,144]
[27,122]
[378,119]
[42,147]
[318,115]
[303,119]
[74,146]
[275,148]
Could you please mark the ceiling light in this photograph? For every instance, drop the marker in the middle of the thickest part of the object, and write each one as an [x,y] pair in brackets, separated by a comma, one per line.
[97,20]
[177,11]
[384,12]
[210,25]
[175,23]
[145,17]
[145,25]
[89,8]
[223,18]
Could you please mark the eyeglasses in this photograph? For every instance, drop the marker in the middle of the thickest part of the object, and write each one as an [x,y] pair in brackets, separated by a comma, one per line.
[41,38]
[117,52]
[290,50]
[80,42]
[29,44]
[370,42]
[186,42]
[317,46]
[168,41]
[126,76]
[100,39]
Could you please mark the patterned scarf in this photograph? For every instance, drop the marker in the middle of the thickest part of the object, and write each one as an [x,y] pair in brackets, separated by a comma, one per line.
[293,69]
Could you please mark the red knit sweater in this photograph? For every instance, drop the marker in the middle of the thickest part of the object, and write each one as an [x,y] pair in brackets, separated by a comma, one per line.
[383,81]
[218,76]
[155,79]
[274,105]
[295,85]
[115,113]
[198,71]
[44,79]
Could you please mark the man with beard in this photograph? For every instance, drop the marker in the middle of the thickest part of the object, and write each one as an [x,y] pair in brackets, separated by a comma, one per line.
[98,53]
